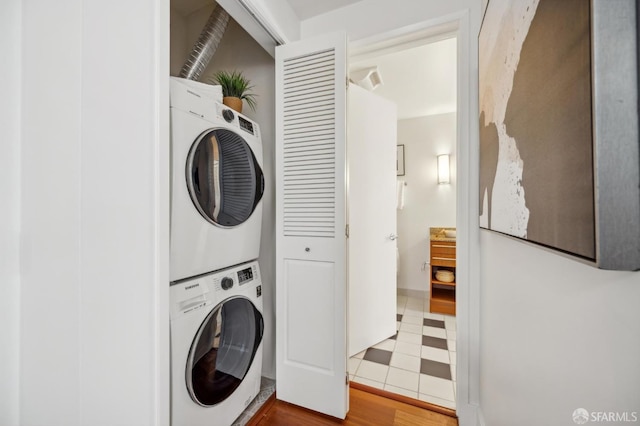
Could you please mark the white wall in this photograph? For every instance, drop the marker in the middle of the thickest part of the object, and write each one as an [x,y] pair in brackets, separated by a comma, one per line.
[556,335]
[51,218]
[238,50]
[10,101]
[427,204]
[179,44]
[94,339]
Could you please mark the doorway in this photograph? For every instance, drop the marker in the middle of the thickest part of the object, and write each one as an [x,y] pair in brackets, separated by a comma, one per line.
[417,73]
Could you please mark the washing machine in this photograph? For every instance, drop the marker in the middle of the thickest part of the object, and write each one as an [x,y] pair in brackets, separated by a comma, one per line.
[216,345]
[216,186]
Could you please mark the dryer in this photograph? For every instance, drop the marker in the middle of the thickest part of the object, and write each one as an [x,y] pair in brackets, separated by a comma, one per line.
[216,186]
[216,346]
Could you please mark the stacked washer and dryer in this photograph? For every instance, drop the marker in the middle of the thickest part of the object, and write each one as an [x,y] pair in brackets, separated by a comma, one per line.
[216,289]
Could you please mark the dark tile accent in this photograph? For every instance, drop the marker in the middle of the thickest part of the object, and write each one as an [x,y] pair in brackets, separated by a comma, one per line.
[394,337]
[435,342]
[398,317]
[378,355]
[433,323]
[435,368]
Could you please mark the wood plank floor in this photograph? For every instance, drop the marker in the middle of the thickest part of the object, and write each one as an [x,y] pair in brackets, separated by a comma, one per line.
[366,409]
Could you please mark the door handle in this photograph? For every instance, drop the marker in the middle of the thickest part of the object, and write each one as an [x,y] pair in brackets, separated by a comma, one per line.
[393,237]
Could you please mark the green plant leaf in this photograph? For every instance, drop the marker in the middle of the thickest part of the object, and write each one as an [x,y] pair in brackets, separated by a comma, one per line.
[235,84]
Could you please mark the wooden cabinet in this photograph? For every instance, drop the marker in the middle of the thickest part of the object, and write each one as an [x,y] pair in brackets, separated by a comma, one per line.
[442,298]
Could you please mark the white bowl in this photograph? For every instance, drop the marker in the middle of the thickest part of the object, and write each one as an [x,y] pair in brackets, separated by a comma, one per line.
[445,276]
[450,233]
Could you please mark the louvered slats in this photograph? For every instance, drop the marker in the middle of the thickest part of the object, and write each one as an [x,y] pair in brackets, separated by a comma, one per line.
[309,145]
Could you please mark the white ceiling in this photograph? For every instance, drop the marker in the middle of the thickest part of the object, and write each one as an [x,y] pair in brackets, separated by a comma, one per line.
[306,9]
[420,80]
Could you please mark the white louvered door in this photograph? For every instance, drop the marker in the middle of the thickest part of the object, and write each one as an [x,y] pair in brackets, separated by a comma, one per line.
[311,277]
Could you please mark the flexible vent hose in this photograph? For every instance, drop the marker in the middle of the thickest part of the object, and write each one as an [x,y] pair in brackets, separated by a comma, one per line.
[206,45]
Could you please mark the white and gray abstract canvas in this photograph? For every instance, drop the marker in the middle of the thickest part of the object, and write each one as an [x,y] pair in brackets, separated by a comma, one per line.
[536,143]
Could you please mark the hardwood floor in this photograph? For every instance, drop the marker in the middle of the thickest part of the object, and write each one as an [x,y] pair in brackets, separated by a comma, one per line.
[366,409]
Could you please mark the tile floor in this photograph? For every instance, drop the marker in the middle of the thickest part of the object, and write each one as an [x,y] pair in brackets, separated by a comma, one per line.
[418,362]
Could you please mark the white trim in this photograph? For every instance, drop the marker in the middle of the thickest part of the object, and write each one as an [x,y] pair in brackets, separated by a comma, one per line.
[480,417]
[10,239]
[266,25]
[404,38]
[250,23]
[162,364]
[468,298]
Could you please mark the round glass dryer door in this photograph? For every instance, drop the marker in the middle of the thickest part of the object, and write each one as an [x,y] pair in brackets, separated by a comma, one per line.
[223,350]
[224,179]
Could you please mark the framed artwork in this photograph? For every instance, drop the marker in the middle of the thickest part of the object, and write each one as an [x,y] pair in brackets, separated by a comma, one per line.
[400,160]
[542,175]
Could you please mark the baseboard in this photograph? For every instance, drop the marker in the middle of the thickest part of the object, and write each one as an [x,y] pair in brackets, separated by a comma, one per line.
[420,294]
[405,399]
[480,416]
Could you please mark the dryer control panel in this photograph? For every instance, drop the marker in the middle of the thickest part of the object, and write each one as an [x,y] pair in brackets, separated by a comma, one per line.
[236,119]
[246,125]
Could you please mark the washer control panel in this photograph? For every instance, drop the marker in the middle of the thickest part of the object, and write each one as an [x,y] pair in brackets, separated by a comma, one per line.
[236,278]
[226,283]
[193,294]
[245,275]
[189,296]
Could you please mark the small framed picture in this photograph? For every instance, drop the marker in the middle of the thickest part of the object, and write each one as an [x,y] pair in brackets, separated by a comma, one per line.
[400,161]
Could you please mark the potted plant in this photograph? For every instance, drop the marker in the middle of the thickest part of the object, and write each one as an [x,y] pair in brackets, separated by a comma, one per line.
[235,89]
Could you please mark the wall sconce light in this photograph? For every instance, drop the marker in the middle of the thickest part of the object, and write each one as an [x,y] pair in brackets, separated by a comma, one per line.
[444,175]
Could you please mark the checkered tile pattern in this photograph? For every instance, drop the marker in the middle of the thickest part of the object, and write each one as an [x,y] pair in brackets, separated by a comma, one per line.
[419,361]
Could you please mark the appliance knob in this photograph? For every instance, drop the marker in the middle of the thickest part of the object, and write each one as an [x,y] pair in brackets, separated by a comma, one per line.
[228,115]
[226,283]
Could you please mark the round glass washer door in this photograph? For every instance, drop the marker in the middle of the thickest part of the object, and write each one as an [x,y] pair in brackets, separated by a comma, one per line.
[224,179]
[223,350]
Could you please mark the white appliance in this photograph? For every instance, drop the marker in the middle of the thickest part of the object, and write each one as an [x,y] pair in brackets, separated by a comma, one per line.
[216,186]
[216,350]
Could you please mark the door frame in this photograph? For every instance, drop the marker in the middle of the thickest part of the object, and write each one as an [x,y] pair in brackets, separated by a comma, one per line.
[468,246]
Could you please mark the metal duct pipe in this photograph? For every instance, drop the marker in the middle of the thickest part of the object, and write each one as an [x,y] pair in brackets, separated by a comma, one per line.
[206,45]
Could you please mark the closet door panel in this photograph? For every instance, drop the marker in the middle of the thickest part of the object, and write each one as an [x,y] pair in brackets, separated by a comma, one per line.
[311,276]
